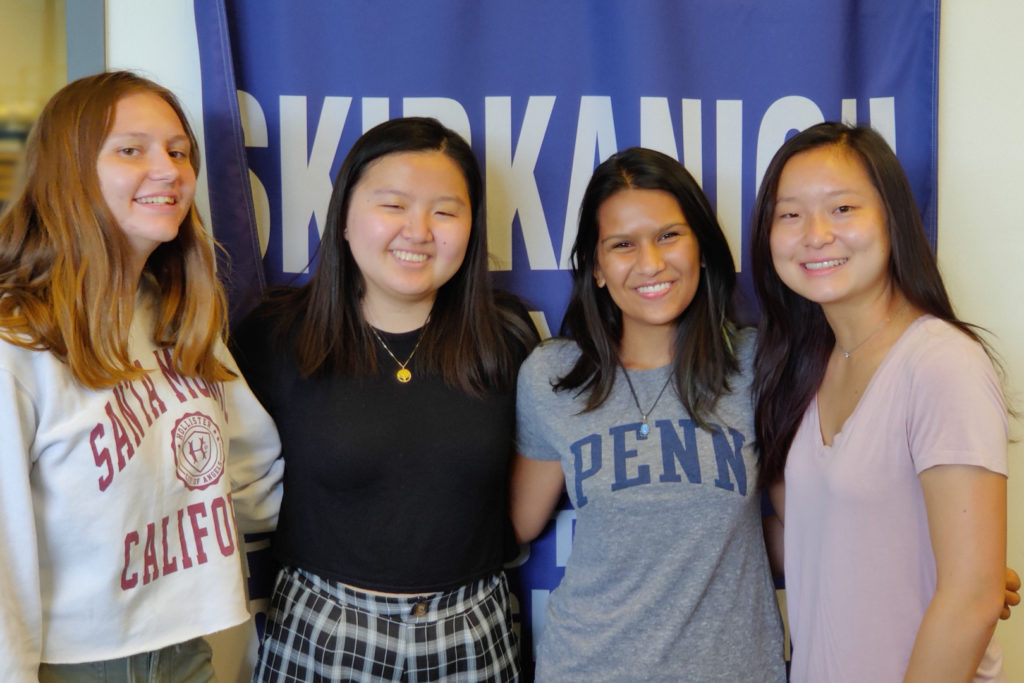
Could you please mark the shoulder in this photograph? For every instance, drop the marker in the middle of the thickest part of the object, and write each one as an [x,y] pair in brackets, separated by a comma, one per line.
[956,412]
[550,360]
[935,346]
[744,345]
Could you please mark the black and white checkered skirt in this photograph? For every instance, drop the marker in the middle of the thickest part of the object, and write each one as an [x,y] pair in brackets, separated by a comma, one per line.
[321,630]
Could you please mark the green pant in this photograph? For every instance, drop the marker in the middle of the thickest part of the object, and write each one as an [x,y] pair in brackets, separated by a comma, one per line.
[188,662]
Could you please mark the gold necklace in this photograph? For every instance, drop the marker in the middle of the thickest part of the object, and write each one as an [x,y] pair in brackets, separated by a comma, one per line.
[403,374]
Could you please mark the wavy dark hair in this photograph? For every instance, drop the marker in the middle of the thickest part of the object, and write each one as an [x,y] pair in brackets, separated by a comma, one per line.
[703,358]
[794,339]
[475,343]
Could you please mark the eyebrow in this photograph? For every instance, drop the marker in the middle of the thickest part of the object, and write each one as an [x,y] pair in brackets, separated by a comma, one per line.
[143,135]
[400,193]
[666,226]
[833,193]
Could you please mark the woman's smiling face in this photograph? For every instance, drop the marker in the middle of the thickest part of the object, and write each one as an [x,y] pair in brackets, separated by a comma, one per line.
[647,256]
[829,235]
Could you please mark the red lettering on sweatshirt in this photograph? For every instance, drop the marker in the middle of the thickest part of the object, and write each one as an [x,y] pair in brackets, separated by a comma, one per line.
[102,457]
[129,582]
[122,445]
[159,550]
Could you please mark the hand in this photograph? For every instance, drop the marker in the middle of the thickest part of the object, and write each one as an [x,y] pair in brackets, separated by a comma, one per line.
[1012,592]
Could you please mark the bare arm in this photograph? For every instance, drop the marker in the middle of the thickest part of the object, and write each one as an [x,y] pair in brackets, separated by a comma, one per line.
[967,524]
[535,486]
[774,528]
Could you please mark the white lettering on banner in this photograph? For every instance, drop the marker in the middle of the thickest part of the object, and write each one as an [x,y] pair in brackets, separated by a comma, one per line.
[306,180]
[254,133]
[797,113]
[375,110]
[693,145]
[444,109]
[510,162]
[511,184]
[784,115]
[540,322]
[595,132]
[729,172]
[849,111]
[656,130]
[882,111]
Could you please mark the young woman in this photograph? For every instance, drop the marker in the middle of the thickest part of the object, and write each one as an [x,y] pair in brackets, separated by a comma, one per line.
[643,413]
[128,441]
[391,375]
[882,413]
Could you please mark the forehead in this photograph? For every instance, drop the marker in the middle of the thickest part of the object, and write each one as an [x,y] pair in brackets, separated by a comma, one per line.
[827,168]
[633,208]
[430,171]
[147,113]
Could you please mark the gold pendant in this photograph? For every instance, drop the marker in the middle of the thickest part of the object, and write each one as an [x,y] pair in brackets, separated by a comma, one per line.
[403,375]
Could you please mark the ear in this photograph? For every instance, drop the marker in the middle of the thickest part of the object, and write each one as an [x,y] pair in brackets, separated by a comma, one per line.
[599,276]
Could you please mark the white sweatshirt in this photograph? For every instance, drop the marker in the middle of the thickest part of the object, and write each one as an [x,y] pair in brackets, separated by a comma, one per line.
[117,506]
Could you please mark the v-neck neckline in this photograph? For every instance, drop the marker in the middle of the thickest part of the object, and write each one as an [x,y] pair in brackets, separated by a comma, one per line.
[848,422]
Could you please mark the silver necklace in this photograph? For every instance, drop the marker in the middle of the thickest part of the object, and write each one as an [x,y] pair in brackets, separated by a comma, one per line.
[846,352]
[403,374]
[644,429]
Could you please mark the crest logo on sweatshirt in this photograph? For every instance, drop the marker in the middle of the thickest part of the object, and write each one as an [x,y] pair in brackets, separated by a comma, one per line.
[198,451]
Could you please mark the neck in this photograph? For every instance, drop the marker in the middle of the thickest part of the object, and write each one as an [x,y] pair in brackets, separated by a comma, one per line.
[856,325]
[648,348]
[397,318]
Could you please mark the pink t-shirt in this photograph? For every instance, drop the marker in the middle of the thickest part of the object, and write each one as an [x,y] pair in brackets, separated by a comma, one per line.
[860,571]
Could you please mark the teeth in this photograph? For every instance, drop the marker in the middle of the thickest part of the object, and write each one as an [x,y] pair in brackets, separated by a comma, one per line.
[156,200]
[819,265]
[650,289]
[409,256]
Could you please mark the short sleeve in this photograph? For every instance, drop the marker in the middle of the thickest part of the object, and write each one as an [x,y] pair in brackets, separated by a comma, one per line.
[957,412]
[535,407]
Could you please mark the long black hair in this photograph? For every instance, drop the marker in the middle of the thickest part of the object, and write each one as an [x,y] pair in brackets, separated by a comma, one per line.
[703,357]
[475,344]
[794,339]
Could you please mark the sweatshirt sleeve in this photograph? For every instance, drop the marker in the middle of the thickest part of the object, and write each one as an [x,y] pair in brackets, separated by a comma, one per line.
[20,601]
[254,457]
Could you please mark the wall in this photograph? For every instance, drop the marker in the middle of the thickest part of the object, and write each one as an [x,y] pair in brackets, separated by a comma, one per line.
[981,233]
[981,161]
[32,54]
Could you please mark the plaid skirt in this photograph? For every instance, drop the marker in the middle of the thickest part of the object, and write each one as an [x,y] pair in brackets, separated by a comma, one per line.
[321,630]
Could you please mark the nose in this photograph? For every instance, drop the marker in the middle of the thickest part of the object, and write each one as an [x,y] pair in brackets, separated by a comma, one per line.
[417,227]
[819,231]
[649,259]
[163,166]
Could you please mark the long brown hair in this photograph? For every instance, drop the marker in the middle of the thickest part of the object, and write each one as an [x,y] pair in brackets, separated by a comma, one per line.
[794,338]
[65,285]
[475,339]
[703,359]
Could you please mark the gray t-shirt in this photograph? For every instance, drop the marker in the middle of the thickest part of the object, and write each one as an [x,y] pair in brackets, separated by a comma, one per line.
[668,578]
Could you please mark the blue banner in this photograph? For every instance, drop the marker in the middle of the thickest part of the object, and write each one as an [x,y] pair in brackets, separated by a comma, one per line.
[543,91]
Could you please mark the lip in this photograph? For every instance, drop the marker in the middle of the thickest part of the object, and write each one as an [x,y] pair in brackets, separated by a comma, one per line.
[654,290]
[175,200]
[409,257]
[819,266]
